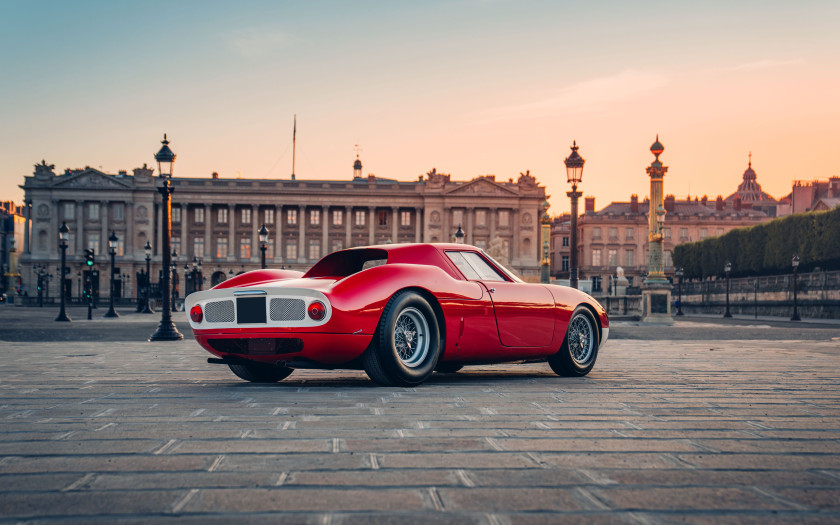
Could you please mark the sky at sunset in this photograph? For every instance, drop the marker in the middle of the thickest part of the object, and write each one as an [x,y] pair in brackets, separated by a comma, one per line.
[470,87]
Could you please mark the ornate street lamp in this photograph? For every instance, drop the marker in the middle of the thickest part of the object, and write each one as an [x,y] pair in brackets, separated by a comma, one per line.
[795,263]
[147,306]
[112,251]
[263,231]
[545,241]
[574,176]
[459,235]
[727,268]
[679,274]
[166,159]
[62,243]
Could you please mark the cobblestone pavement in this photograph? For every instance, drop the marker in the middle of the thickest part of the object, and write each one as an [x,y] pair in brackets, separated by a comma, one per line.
[667,429]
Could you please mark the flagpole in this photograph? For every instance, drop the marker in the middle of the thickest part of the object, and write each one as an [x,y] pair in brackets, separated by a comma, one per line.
[294,146]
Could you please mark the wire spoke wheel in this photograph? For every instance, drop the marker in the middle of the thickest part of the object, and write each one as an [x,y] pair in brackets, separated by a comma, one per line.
[411,337]
[581,339]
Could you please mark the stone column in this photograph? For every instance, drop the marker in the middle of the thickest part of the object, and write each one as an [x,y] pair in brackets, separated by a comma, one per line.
[302,255]
[232,254]
[371,213]
[278,234]
[129,231]
[325,230]
[515,238]
[395,227]
[255,225]
[208,232]
[418,232]
[468,219]
[491,216]
[103,220]
[348,226]
[27,214]
[80,227]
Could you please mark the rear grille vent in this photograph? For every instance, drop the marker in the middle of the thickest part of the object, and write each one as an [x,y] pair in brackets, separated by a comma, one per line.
[219,312]
[287,310]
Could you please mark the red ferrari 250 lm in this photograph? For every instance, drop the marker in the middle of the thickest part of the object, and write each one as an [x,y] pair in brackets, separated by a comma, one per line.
[400,312]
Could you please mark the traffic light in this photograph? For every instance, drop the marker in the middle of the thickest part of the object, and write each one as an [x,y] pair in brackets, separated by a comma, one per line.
[90,259]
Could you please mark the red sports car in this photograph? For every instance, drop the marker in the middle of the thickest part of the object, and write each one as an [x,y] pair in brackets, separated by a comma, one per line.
[400,312]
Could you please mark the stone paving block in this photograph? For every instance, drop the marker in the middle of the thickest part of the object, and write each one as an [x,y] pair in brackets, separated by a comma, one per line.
[510,499]
[415,445]
[177,480]
[533,477]
[235,446]
[303,499]
[762,461]
[37,504]
[820,498]
[288,462]
[455,460]
[640,460]
[692,477]
[683,499]
[24,465]
[613,444]
[376,478]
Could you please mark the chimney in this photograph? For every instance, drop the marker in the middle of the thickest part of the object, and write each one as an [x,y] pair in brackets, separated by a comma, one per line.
[669,203]
[834,187]
[704,201]
[737,203]
[589,204]
[215,175]
[719,203]
[634,203]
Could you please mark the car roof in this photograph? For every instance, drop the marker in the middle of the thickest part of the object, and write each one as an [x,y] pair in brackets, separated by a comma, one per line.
[409,253]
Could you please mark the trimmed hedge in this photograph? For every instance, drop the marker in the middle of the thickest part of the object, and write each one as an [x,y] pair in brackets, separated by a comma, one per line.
[767,249]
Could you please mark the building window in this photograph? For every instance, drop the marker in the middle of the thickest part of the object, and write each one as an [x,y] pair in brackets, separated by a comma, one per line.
[176,214]
[198,246]
[291,217]
[480,217]
[629,233]
[222,216]
[119,212]
[630,258]
[613,233]
[71,246]
[245,248]
[360,217]
[198,215]
[120,247]
[683,233]
[504,218]
[596,257]
[221,248]
[719,232]
[314,217]
[457,217]
[314,249]
[612,258]
[405,218]
[564,263]
[596,232]
[93,211]
[338,218]
[69,210]
[93,242]
[704,233]
[667,233]
[291,250]
[383,218]
[175,244]
[337,244]
[268,216]
[269,248]
[565,241]
[668,260]
[246,216]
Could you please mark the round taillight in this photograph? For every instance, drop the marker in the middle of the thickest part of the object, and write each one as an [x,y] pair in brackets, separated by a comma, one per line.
[317,310]
[196,314]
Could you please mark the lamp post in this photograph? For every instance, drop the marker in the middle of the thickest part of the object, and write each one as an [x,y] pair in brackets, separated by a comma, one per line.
[679,274]
[727,268]
[545,241]
[166,159]
[112,251]
[795,263]
[199,276]
[459,235]
[147,306]
[574,176]
[62,243]
[174,281]
[263,231]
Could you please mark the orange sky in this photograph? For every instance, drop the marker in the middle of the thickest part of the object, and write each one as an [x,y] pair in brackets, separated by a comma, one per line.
[469,87]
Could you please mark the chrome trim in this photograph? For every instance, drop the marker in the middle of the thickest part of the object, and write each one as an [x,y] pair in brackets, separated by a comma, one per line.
[250,292]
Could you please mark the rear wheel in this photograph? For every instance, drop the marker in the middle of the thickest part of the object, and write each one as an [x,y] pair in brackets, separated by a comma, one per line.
[406,346]
[260,373]
[580,347]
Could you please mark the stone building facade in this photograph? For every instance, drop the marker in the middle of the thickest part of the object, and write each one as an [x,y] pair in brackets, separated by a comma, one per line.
[217,219]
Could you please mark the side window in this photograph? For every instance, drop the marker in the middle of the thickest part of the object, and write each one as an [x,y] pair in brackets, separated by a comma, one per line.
[474,267]
[463,265]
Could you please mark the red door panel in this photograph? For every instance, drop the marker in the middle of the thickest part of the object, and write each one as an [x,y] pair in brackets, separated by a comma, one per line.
[524,313]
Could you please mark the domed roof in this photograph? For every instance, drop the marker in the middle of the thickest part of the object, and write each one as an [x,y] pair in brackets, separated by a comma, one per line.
[657,148]
[357,165]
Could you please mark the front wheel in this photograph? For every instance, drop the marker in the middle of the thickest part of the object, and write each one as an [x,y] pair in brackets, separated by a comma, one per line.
[260,373]
[406,346]
[580,347]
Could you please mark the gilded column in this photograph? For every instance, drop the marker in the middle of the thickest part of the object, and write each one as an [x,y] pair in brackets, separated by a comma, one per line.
[656,216]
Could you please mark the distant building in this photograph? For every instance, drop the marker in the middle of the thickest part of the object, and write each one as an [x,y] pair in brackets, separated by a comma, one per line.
[217,219]
[810,196]
[750,195]
[12,224]
[561,230]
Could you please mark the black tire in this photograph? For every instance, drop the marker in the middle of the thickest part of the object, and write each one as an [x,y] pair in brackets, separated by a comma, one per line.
[406,346]
[579,350]
[448,368]
[260,373]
